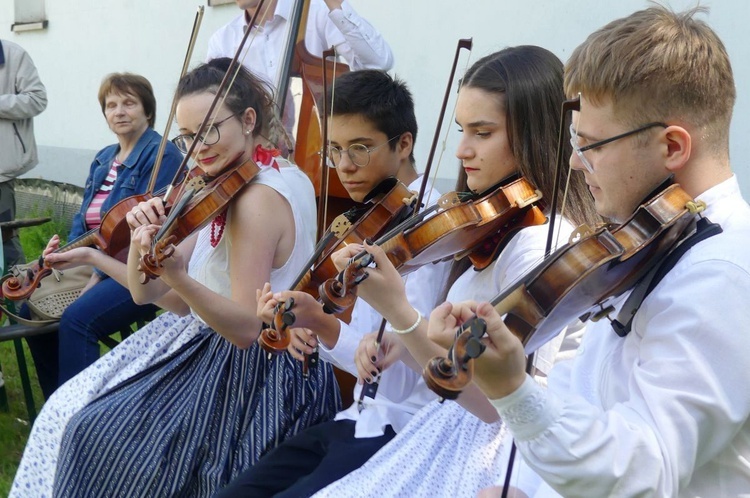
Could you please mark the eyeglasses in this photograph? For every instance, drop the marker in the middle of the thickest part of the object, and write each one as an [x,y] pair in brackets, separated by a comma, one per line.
[210,136]
[580,150]
[358,153]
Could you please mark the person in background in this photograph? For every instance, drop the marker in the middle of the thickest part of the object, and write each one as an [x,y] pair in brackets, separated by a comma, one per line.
[118,171]
[22,96]
[330,23]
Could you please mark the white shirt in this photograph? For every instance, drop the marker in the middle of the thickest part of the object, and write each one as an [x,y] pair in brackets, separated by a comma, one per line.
[355,40]
[665,410]
[402,391]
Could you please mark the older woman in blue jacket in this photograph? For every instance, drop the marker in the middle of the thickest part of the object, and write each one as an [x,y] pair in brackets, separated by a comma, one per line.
[118,171]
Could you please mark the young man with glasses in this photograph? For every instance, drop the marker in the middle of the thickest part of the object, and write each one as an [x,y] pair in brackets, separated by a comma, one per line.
[661,410]
[372,135]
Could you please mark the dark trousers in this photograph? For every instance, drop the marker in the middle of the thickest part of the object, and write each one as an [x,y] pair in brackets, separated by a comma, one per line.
[12,251]
[103,310]
[307,462]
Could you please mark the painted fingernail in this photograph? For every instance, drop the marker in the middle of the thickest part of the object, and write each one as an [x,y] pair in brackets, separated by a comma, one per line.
[368,380]
[374,374]
[368,241]
[373,358]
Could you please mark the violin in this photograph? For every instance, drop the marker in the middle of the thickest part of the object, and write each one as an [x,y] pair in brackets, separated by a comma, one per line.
[391,202]
[577,278]
[199,203]
[459,229]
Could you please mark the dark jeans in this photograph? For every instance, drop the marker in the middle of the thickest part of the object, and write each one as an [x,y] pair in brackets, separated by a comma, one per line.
[12,251]
[307,462]
[101,311]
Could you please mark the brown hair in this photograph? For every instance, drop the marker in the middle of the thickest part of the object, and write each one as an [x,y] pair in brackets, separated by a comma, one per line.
[527,82]
[658,65]
[246,91]
[130,84]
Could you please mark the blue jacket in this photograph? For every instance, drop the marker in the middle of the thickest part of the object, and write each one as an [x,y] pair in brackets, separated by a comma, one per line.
[132,178]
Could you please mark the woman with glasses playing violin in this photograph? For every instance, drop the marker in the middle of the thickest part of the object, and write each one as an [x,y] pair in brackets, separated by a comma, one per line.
[508,109]
[118,171]
[191,400]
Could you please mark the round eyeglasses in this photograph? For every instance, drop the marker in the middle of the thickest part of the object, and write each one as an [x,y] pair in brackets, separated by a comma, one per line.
[580,150]
[358,154]
[210,137]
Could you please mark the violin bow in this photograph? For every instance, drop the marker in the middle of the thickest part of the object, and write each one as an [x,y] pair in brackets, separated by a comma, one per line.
[567,106]
[221,92]
[170,119]
[370,390]
[466,43]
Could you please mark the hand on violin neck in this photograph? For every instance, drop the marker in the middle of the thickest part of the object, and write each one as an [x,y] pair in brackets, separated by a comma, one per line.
[141,238]
[266,304]
[302,342]
[309,314]
[52,245]
[72,258]
[371,360]
[384,288]
[501,369]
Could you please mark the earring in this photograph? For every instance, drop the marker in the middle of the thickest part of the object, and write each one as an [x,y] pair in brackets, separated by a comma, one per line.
[247,132]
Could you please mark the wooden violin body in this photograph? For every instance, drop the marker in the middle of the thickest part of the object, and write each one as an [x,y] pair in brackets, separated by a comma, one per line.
[573,280]
[456,231]
[198,205]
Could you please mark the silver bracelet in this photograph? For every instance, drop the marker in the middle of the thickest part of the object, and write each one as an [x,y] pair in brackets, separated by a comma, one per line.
[410,329]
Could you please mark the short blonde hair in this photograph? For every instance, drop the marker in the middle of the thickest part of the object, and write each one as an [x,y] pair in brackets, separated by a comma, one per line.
[658,65]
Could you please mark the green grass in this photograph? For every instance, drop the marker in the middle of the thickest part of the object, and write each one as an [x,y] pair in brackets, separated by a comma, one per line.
[14,424]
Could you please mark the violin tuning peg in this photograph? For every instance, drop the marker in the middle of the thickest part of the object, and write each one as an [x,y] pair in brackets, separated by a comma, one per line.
[478,328]
[288,318]
[365,261]
[361,278]
[474,348]
[289,304]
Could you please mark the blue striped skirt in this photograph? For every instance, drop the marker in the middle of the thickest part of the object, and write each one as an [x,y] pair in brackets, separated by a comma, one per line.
[188,424]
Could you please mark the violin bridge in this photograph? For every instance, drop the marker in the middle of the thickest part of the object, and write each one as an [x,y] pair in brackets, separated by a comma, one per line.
[196,183]
[340,226]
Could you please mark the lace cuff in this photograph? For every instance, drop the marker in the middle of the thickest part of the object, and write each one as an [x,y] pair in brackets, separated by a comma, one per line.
[528,411]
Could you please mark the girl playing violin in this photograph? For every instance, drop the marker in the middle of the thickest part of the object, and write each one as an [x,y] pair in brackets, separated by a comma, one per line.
[191,400]
[508,110]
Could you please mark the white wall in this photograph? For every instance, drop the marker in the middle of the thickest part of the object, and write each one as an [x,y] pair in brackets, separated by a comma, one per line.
[87,39]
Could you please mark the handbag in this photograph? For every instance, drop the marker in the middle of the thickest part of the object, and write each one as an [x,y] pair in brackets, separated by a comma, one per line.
[55,293]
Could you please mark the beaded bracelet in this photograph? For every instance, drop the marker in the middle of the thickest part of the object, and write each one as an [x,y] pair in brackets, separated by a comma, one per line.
[410,329]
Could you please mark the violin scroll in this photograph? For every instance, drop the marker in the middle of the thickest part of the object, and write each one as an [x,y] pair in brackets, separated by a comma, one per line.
[150,265]
[274,340]
[339,293]
[448,376]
